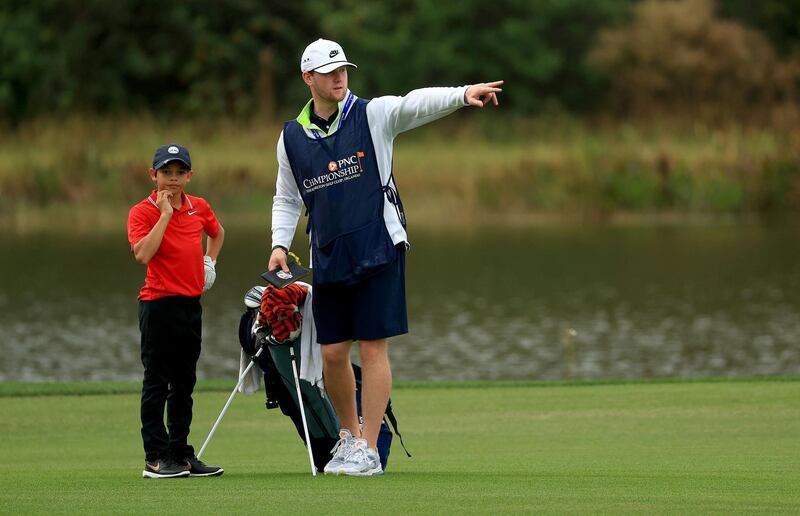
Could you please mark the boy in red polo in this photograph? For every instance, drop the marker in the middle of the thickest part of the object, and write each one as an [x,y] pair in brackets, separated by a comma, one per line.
[165,232]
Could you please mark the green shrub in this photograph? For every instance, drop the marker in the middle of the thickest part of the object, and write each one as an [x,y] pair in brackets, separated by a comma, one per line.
[721,195]
[632,187]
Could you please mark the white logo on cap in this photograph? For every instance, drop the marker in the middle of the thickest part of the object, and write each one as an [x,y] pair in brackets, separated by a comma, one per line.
[173,150]
[284,275]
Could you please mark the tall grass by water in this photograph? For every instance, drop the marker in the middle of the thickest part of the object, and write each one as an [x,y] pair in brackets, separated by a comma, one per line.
[462,170]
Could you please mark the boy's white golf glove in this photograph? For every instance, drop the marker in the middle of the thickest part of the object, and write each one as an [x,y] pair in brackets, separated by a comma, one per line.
[211,272]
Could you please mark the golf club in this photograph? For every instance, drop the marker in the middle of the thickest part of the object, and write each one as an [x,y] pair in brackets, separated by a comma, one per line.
[252,299]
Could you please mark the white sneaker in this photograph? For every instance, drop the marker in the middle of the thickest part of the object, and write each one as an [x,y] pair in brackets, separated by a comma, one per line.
[362,461]
[340,452]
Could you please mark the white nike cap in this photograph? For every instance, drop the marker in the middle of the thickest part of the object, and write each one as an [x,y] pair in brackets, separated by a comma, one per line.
[323,56]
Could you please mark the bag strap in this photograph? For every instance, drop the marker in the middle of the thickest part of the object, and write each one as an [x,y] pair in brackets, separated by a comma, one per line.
[393,197]
[388,412]
[393,421]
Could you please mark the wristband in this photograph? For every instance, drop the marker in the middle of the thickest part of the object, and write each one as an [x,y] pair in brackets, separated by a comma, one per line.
[286,251]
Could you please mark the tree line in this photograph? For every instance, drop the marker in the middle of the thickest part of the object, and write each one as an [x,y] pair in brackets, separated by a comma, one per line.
[240,58]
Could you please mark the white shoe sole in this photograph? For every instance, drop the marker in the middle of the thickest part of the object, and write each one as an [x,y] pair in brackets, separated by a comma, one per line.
[369,473]
[150,474]
[332,471]
[217,473]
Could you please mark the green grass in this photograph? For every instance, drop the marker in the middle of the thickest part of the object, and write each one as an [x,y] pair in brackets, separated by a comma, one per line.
[479,448]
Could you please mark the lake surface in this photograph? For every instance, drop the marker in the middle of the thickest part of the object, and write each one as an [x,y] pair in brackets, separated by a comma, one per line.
[581,303]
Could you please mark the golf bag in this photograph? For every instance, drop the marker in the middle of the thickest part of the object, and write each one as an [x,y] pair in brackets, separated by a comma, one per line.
[323,424]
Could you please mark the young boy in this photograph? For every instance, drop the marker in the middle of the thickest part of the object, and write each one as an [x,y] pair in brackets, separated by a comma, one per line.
[165,232]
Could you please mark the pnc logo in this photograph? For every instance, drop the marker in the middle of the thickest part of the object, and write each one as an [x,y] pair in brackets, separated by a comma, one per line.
[332,166]
[333,53]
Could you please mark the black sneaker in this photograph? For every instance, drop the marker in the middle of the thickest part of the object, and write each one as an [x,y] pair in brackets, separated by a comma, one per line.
[198,468]
[165,468]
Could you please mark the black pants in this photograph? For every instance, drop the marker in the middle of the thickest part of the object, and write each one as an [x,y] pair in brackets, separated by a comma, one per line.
[171,332]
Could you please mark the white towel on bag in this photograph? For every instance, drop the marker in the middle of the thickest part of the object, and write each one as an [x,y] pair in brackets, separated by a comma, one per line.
[310,353]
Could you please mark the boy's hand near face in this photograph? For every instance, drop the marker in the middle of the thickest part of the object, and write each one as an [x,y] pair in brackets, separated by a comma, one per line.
[164,202]
[144,249]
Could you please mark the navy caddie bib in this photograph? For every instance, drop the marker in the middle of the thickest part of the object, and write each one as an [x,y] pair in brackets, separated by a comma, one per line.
[338,178]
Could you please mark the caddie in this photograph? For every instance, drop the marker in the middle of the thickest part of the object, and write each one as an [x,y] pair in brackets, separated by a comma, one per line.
[335,159]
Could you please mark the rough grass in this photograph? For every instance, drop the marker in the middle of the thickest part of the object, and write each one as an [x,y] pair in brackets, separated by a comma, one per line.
[479,448]
[452,172]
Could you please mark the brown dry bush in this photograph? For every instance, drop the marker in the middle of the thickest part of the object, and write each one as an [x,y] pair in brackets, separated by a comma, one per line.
[677,57]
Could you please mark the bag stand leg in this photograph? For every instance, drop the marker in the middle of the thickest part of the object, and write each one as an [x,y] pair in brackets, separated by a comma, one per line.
[230,399]
[302,412]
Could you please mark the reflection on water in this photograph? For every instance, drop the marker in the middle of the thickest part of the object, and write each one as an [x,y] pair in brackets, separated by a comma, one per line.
[522,304]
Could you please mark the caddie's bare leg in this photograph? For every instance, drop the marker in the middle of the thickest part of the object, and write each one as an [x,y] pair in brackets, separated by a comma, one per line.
[375,387]
[340,383]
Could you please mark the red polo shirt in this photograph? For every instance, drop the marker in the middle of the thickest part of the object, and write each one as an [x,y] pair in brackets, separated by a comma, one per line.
[177,267]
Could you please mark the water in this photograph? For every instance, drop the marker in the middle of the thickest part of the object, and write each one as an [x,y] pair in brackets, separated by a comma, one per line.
[585,303]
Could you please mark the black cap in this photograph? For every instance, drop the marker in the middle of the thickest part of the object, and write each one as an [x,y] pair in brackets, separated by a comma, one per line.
[171,152]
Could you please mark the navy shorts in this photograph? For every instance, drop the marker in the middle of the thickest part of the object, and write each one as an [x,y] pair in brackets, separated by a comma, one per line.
[372,309]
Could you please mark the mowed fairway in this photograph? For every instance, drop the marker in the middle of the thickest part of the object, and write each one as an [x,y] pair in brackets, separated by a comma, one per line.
[683,447]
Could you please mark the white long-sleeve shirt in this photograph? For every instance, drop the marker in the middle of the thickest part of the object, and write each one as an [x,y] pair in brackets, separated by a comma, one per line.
[387,117]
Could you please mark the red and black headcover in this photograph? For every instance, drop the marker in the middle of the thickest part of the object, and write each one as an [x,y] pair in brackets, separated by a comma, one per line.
[280,310]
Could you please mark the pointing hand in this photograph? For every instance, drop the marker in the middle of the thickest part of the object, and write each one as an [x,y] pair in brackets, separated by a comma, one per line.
[479,95]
